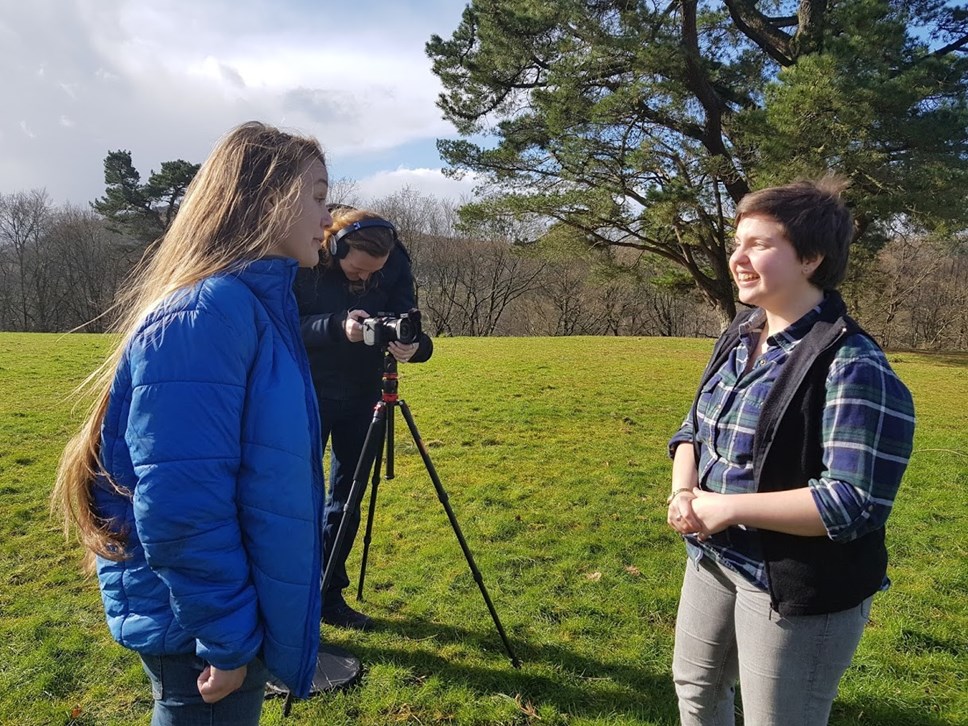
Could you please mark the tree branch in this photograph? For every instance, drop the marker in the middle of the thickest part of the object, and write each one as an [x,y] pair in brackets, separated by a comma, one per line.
[951,47]
[713,105]
[809,36]
[761,30]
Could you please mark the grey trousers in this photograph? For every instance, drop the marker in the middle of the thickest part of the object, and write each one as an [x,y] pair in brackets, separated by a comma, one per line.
[788,667]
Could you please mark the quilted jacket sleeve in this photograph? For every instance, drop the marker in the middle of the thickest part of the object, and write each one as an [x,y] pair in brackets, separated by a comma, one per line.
[189,379]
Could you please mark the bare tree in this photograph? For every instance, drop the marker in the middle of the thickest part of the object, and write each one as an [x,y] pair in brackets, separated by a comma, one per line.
[471,283]
[97,260]
[912,293]
[24,217]
[572,302]
[939,311]
[59,266]
[418,218]
[344,191]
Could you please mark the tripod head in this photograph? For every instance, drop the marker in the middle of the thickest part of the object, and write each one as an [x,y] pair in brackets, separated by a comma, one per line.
[390,377]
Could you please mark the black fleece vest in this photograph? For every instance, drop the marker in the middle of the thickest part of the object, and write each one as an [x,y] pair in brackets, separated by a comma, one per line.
[806,575]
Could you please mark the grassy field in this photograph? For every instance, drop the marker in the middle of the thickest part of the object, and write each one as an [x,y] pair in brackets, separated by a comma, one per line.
[553,454]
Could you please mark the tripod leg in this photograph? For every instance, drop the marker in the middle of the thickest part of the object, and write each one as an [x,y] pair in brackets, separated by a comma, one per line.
[374,439]
[387,440]
[442,496]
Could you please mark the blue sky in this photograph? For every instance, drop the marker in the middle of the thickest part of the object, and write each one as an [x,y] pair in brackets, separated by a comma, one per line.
[165,80]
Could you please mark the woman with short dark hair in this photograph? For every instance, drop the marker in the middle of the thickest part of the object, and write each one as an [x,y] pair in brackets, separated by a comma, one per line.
[785,471]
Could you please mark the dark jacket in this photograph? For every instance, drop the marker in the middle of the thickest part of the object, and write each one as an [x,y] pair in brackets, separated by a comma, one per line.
[341,369]
[806,575]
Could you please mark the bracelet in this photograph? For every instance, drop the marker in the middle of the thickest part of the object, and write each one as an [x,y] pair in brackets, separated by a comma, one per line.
[676,493]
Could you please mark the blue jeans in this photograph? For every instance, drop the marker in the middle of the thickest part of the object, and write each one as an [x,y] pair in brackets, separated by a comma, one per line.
[174,687]
[788,667]
[345,423]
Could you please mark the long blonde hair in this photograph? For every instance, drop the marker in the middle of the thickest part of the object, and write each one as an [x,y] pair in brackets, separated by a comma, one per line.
[240,203]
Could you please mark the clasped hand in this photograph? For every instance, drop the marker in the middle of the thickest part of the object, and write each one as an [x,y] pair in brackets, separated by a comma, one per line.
[699,512]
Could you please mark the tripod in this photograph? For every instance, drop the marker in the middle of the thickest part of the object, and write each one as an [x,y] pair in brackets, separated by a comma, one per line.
[378,436]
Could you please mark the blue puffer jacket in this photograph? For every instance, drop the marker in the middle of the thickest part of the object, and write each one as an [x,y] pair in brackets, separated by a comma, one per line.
[213,425]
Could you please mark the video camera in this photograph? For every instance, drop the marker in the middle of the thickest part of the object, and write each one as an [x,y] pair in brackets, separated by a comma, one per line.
[385,328]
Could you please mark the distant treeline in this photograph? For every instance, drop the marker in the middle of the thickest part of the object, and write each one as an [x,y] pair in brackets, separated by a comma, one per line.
[60,267]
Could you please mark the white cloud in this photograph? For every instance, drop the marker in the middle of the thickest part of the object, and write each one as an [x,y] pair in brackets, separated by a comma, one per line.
[70,89]
[428,182]
[165,81]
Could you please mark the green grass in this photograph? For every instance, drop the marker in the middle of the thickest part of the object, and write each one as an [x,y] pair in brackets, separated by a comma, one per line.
[553,454]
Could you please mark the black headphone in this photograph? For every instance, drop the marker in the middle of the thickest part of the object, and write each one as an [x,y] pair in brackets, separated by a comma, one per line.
[339,249]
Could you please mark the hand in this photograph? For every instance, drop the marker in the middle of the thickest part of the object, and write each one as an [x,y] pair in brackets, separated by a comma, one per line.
[402,351]
[681,516]
[685,477]
[215,684]
[352,326]
[713,511]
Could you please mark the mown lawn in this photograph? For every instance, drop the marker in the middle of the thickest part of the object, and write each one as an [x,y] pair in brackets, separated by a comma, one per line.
[553,454]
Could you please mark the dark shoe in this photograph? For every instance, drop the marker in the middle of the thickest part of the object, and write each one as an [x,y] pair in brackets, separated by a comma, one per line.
[341,615]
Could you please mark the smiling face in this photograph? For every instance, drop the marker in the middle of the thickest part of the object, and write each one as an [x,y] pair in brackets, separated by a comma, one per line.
[357,265]
[768,272]
[303,240]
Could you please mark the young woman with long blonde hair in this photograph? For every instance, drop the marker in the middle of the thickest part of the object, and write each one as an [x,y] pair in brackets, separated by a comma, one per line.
[195,483]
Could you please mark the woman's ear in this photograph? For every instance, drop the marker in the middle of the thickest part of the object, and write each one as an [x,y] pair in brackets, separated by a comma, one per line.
[810,266]
[269,204]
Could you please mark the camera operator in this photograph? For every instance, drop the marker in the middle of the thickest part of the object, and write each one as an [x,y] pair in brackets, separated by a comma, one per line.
[363,271]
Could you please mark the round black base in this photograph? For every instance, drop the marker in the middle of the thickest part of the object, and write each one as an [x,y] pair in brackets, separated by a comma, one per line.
[335,668]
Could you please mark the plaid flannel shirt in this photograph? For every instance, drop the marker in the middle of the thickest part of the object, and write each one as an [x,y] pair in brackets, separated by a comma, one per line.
[868,425]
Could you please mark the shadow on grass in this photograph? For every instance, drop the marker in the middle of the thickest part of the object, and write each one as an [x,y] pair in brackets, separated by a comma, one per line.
[579,686]
[584,687]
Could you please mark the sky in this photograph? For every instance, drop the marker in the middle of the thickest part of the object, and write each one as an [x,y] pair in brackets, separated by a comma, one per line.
[80,78]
